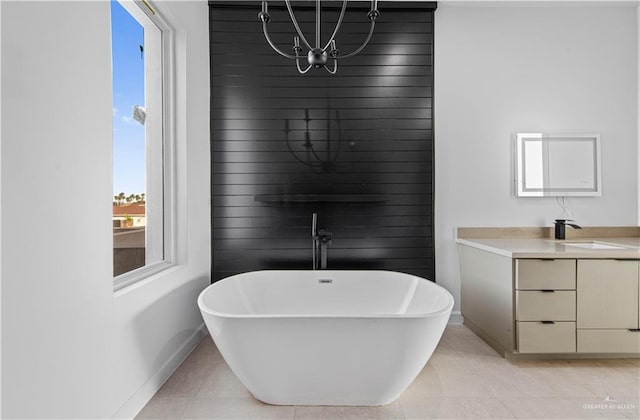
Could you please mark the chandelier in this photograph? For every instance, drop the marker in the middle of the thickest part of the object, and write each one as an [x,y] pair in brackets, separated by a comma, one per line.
[317,56]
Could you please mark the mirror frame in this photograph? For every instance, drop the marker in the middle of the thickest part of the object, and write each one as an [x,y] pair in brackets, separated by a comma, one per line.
[546,191]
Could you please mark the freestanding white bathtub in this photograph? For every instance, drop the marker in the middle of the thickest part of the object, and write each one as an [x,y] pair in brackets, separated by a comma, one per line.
[326,337]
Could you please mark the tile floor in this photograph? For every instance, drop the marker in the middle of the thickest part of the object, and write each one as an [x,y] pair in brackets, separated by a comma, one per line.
[465,378]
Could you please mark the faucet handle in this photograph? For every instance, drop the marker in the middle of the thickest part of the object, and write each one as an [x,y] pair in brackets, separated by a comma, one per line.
[324,236]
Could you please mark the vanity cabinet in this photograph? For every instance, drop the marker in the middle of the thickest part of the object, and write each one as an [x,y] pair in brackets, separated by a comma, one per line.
[552,306]
[545,305]
[608,306]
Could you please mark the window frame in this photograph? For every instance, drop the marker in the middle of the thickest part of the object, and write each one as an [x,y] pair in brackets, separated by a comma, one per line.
[159,155]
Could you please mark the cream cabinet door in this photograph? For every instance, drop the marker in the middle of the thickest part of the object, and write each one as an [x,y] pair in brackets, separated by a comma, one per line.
[607,294]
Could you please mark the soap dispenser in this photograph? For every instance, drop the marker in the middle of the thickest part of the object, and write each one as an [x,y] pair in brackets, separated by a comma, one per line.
[560,227]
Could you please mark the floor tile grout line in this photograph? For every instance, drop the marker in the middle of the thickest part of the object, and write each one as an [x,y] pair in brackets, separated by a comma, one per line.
[404,416]
[201,385]
[186,409]
[508,410]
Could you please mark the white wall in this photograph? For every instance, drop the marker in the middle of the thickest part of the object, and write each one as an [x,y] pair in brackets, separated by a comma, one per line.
[71,348]
[503,70]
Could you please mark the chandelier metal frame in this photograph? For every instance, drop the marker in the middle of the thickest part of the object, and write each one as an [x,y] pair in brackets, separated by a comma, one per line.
[317,56]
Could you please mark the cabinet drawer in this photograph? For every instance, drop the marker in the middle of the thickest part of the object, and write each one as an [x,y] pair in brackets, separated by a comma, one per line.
[545,274]
[536,337]
[608,341]
[546,306]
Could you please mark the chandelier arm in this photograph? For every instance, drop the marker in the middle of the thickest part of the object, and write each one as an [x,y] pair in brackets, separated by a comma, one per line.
[266,35]
[310,164]
[300,69]
[317,156]
[364,44]
[337,28]
[335,67]
[295,24]
[295,155]
[318,23]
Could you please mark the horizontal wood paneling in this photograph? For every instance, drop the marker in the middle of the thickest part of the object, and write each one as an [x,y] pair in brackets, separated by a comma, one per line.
[373,119]
[250,200]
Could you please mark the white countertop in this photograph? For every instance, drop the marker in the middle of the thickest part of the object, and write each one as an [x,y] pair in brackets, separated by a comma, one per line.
[629,247]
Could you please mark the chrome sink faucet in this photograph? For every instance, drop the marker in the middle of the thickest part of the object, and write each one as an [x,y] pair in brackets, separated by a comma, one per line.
[321,240]
[560,227]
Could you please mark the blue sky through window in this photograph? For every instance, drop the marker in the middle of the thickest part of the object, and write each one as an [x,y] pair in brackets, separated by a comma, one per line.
[129,163]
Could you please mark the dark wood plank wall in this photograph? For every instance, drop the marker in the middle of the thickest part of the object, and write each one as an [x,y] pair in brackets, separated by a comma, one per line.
[371,125]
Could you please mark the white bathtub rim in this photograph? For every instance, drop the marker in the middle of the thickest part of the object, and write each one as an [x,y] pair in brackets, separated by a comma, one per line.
[446,310]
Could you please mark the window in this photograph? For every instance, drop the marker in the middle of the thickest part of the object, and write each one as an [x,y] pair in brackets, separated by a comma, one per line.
[141,141]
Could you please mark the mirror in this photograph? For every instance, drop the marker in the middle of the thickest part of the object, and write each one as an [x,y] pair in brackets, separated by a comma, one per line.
[558,165]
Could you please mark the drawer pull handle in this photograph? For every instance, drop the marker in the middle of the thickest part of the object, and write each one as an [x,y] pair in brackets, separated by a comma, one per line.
[547,259]
[547,291]
[634,329]
[547,322]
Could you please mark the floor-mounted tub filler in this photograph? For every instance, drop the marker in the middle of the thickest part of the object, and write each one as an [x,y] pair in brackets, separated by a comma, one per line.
[326,337]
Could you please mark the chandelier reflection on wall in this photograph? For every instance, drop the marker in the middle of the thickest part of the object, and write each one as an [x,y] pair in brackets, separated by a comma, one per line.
[317,56]
[321,158]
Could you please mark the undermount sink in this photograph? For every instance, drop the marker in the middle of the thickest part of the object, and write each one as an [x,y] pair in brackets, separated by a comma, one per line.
[592,245]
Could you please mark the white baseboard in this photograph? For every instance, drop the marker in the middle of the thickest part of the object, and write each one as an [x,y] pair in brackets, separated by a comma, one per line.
[142,396]
[456,318]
